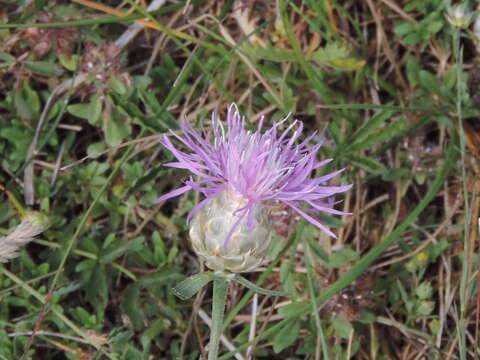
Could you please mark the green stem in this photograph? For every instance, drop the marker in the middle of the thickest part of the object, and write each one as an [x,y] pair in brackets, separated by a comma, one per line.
[220,288]
[311,290]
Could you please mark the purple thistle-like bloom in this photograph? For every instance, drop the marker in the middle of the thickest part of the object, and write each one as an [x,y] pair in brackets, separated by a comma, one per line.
[261,168]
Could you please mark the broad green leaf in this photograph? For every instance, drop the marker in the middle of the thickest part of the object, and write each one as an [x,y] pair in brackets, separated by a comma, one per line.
[424,290]
[286,336]
[79,110]
[342,327]
[130,305]
[342,257]
[69,62]
[94,150]
[319,252]
[348,64]
[117,85]
[294,309]
[97,288]
[44,68]
[438,248]
[395,174]
[425,308]
[89,111]
[403,28]
[116,131]
[337,55]
[430,83]
[6,60]
[132,354]
[142,81]
[24,107]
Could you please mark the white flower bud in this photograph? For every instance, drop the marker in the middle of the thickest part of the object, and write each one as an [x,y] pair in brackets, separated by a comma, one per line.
[246,247]
[460,15]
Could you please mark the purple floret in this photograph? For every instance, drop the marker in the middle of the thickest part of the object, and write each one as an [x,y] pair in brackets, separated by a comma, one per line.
[261,167]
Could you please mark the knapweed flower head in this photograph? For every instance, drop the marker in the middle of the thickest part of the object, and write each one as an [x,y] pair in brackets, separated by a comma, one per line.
[243,174]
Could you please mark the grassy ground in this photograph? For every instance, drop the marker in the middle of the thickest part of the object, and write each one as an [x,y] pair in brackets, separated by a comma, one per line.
[392,85]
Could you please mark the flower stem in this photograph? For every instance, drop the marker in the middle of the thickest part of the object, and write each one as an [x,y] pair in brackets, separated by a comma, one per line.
[220,289]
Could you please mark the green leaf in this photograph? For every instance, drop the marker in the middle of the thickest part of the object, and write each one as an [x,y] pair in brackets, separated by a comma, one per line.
[44,68]
[337,55]
[395,174]
[425,308]
[129,305]
[117,85]
[412,39]
[24,107]
[6,60]
[79,110]
[370,126]
[153,331]
[412,71]
[424,290]
[368,164]
[286,336]
[270,53]
[437,249]
[342,257]
[319,252]
[97,288]
[116,131]
[342,327]
[69,62]
[132,354]
[89,111]
[142,81]
[403,28]
[118,248]
[94,150]
[294,309]
[241,280]
[191,285]
[430,83]
[381,135]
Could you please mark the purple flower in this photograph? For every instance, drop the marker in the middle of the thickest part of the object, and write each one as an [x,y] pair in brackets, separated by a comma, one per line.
[260,168]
